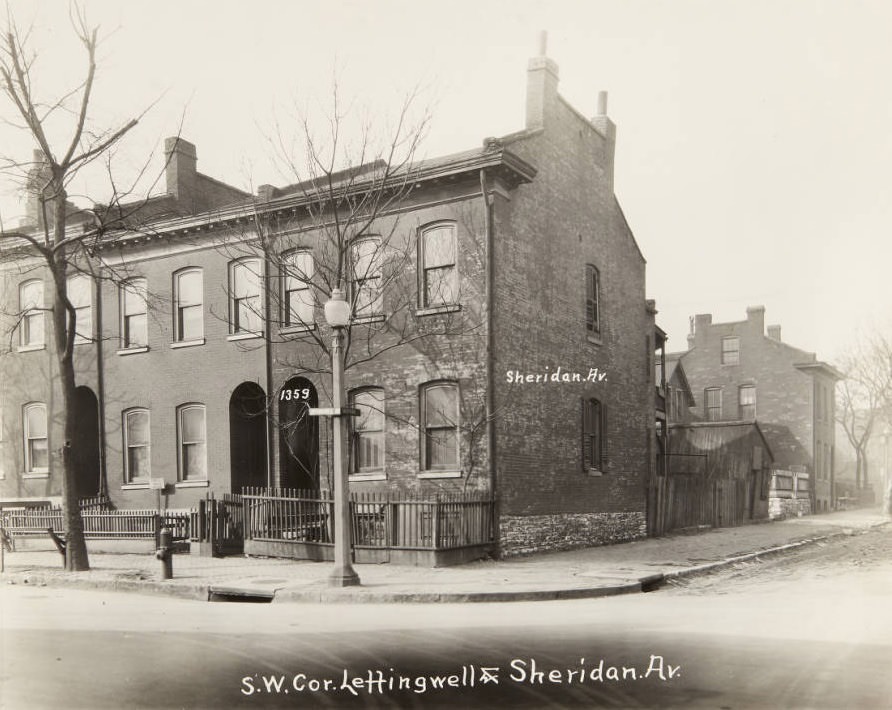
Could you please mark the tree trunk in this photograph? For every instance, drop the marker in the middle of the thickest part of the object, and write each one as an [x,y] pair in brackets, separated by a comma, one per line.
[63,334]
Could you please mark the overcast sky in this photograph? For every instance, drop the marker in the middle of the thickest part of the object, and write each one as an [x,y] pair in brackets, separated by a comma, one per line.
[754,148]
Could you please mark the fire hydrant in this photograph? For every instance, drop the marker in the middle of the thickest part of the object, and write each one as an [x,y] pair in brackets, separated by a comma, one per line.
[165,553]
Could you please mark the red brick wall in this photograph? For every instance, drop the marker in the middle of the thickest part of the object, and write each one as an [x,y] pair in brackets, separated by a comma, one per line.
[544,236]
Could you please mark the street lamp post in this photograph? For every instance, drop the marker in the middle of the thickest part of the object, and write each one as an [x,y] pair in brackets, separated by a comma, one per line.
[887,475]
[337,315]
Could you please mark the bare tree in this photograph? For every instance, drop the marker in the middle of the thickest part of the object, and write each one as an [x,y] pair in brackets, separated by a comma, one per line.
[345,222]
[63,245]
[864,397]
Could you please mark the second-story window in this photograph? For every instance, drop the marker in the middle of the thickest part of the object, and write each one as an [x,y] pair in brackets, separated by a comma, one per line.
[31,330]
[298,301]
[592,300]
[245,307]
[746,402]
[366,265]
[134,314]
[731,351]
[713,401]
[188,288]
[80,293]
[438,274]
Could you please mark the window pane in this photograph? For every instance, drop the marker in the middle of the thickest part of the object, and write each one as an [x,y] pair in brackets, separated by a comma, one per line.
[135,330]
[84,323]
[138,462]
[441,448]
[300,306]
[439,286]
[370,447]
[31,295]
[137,428]
[190,324]
[193,424]
[299,269]
[371,408]
[368,298]
[37,450]
[134,297]
[79,291]
[440,406]
[247,315]
[189,288]
[246,279]
[194,457]
[36,422]
[439,247]
[33,329]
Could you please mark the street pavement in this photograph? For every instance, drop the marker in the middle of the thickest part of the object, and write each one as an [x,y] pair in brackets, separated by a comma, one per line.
[590,572]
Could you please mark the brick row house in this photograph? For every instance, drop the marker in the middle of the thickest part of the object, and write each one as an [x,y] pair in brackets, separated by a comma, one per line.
[500,342]
[743,372]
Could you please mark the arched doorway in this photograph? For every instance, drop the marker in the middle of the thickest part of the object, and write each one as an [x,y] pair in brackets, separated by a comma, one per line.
[247,437]
[85,447]
[298,435]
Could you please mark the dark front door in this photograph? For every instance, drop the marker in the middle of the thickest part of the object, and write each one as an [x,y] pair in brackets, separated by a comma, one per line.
[85,447]
[247,437]
[298,435]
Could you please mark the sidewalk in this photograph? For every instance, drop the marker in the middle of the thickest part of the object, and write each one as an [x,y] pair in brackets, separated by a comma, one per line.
[590,572]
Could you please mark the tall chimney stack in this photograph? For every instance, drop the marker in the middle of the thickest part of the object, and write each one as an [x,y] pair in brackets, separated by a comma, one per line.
[542,82]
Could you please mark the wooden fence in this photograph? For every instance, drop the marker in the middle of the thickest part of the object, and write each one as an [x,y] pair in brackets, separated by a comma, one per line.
[107,524]
[383,526]
[685,501]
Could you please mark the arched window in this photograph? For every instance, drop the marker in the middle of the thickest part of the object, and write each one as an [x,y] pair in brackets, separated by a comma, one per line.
[31,330]
[298,301]
[366,283]
[134,314]
[192,442]
[137,445]
[245,306]
[592,435]
[439,426]
[80,293]
[367,435]
[592,300]
[188,297]
[35,432]
[439,276]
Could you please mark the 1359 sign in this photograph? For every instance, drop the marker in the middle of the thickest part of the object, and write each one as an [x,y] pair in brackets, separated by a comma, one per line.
[296,394]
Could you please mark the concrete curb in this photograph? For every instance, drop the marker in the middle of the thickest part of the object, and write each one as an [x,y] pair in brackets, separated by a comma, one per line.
[326,595]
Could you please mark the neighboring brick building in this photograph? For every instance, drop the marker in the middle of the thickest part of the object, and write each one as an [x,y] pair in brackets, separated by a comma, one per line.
[740,373]
[513,344]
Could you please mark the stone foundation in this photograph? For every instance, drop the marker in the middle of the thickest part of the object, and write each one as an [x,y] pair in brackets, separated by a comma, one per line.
[780,508]
[525,534]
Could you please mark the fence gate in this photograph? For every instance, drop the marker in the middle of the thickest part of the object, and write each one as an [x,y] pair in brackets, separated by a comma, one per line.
[219,526]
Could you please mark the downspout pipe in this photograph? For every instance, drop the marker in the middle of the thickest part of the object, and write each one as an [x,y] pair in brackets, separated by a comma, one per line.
[490,404]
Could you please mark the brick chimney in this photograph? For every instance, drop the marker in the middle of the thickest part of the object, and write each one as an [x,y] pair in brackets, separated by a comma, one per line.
[606,128]
[699,324]
[774,332]
[542,82]
[755,316]
[180,173]
[36,182]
